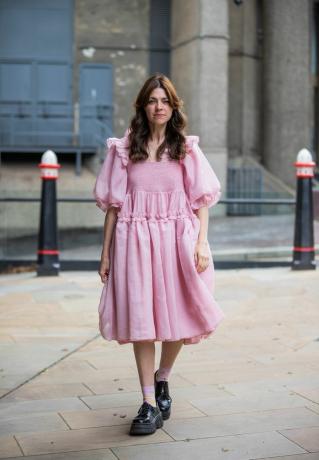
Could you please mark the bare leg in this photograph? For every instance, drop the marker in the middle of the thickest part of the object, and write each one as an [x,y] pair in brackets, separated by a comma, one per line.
[169,354]
[145,360]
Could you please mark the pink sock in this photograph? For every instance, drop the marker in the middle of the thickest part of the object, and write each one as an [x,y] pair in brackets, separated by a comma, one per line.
[163,373]
[148,392]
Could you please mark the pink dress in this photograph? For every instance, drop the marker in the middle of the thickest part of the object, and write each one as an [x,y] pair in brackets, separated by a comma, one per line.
[154,292]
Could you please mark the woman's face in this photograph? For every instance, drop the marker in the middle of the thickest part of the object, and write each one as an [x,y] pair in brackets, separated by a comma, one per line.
[158,109]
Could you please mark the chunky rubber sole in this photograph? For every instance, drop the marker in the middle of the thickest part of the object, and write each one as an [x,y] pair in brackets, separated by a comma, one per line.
[139,429]
[166,414]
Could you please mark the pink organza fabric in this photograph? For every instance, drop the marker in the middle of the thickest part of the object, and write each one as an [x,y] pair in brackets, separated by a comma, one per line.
[154,292]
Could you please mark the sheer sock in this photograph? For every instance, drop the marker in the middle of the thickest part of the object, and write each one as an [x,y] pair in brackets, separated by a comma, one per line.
[149,394]
[163,373]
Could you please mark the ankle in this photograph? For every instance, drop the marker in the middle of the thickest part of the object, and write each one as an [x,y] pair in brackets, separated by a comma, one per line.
[149,394]
[150,400]
[162,374]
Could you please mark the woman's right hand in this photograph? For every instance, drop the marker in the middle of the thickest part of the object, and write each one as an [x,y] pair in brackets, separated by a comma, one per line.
[104,268]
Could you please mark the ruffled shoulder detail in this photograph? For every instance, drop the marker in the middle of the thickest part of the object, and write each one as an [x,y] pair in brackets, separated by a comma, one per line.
[191,141]
[201,183]
[121,147]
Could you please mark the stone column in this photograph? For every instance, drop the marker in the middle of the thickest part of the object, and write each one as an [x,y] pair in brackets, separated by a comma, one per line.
[287,105]
[199,69]
[244,80]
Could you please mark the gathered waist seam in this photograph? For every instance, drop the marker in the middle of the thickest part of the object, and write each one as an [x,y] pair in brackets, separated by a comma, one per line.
[156,191]
[155,218]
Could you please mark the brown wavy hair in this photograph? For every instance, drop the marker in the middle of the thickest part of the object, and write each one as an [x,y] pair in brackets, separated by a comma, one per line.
[139,130]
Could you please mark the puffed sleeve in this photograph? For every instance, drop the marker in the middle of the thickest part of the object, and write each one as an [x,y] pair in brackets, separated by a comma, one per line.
[201,184]
[111,182]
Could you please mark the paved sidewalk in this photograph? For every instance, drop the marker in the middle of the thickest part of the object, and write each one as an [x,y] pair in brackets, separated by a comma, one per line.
[251,391]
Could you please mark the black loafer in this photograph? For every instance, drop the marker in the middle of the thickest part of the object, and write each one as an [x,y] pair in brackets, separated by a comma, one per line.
[147,421]
[162,397]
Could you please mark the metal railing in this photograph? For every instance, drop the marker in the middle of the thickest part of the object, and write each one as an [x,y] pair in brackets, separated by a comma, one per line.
[30,131]
[93,264]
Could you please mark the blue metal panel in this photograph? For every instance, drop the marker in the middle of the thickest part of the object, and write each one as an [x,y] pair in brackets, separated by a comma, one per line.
[36,29]
[36,72]
[96,84]
[16,82]
[54,83]
[96,103]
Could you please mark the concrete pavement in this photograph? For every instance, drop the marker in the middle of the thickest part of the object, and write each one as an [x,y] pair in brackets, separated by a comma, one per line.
[251,391]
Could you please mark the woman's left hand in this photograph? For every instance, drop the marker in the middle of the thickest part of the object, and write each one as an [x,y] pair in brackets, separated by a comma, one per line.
[201,255]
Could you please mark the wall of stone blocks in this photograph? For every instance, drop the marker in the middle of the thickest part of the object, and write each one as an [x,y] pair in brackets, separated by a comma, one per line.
[118,31]
[244,82]
[287,85]
[199,67]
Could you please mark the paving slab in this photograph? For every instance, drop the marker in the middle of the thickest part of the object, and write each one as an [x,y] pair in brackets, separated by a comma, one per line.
[31,423]
[85,439]
[306,437]
[314,407]
[100,454]
[309,391]
[257,401]
[244,447]
[31,391]
[244,389]
[39,406]
[9,447]
[242,423]
[295,457]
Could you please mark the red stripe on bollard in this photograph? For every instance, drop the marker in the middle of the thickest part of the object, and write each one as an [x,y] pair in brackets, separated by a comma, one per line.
[49,252]
[304,176]
[304,249]
[48,165]
[304,164]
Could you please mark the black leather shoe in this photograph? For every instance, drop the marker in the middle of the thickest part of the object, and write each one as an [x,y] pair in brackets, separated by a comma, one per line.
[162,397]
[149,418]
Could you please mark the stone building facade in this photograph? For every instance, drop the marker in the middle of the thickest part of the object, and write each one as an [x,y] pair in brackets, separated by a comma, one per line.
[246,73]
[246,70]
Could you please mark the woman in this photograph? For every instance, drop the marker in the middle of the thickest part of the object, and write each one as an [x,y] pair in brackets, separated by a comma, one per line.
[156,186]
